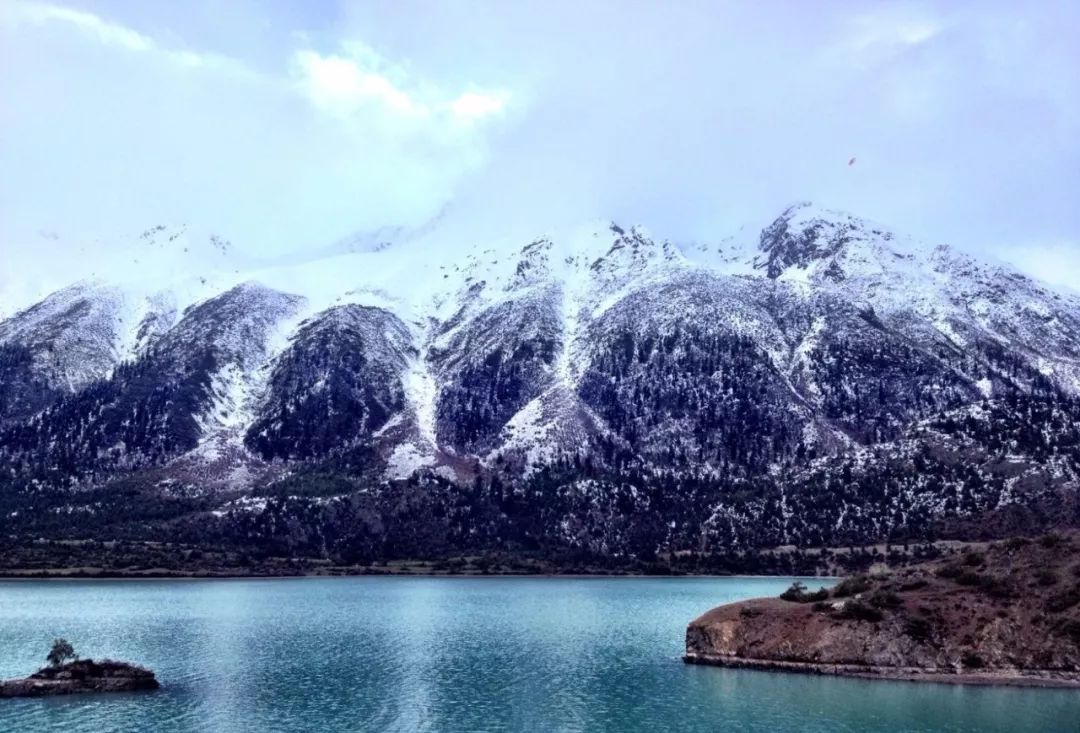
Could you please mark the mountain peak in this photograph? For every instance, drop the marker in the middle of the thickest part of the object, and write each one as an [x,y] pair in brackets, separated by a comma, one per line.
[805,234]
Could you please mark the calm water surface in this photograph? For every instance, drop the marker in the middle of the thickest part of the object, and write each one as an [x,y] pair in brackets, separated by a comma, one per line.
[448,655]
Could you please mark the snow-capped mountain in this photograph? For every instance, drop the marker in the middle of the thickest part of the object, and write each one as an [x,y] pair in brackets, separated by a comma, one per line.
[593,387]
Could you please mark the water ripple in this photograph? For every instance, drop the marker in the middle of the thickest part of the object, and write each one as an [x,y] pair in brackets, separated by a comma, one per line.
[446,655]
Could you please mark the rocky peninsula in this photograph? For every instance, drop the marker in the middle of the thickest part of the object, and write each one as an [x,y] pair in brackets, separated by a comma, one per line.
[81,676]
[1009,614]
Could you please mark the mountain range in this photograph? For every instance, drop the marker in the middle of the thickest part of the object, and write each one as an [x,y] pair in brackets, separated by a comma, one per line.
[592,390]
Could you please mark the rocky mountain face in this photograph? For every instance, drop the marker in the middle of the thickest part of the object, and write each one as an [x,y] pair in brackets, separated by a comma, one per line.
[595,391]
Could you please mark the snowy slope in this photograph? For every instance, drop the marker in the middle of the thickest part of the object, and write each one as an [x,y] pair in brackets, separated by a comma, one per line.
[496,351]
[963,300]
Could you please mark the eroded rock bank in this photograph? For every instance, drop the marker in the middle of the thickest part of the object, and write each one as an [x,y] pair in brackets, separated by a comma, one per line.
[82,676]
[1008,615]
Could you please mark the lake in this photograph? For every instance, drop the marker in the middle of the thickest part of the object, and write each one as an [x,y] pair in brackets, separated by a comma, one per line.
[451,654]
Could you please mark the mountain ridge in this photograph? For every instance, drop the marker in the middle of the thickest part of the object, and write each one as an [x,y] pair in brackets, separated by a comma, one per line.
[595,388]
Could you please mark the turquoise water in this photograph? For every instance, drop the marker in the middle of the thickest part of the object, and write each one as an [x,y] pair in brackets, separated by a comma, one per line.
[451,654]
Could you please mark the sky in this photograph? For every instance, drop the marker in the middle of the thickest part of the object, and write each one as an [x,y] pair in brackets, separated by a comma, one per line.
[285,126]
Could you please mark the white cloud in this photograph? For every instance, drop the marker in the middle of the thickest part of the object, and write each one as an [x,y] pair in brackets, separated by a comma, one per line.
[285,125]
[28,15]
[1056,262]
[890,28]
[18,12]
[359,79]
[106,130]
[479,105]
[339,84]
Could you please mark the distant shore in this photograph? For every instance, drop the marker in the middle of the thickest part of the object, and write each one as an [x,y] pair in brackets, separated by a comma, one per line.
[78,574]
[83,559]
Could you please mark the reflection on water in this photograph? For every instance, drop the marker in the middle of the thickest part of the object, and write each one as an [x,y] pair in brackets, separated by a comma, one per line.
[451,654]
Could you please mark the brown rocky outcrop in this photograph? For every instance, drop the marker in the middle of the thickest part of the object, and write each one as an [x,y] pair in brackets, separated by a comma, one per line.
[84,675]
[1008,614]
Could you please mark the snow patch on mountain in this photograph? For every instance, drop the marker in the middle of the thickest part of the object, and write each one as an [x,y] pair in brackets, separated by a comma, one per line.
[422,393]
[529,432]
[406,460]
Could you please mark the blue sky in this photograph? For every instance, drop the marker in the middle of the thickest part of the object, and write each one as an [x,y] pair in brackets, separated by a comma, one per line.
[288,125]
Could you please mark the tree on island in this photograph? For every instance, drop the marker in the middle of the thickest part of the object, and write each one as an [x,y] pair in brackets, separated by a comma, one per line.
[61,651]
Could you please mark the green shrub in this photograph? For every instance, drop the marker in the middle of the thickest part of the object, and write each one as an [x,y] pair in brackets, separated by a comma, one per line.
[797,593]
[918,628]
[885,599]
[1015,543]
[1063,601]
[1051,540]
[1068,628]
[1046,577]
[971,660]
[851,586]
[997,586]
[951,570]
[859,611]
[993,585]
[968,577]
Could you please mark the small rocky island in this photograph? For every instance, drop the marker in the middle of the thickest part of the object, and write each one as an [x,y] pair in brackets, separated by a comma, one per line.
[1005,613]
[67,675]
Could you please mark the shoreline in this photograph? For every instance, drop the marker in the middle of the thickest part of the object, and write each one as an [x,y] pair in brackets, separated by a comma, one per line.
[1034,679]
[5,576]
[1009,615]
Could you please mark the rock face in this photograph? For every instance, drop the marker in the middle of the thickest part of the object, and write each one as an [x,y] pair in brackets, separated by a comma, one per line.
[84,675]
[1009,614]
